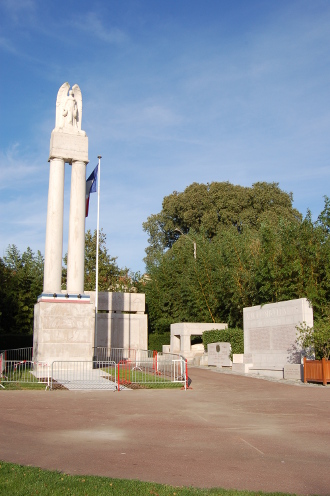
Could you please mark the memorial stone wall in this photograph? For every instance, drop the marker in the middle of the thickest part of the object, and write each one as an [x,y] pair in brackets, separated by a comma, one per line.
[270,332]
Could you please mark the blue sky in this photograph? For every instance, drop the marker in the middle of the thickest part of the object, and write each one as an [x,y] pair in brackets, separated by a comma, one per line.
[174,92]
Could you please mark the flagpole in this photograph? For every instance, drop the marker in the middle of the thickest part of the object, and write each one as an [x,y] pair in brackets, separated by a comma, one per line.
[97,248]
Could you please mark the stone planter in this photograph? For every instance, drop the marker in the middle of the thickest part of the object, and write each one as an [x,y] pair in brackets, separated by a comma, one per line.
[317,371]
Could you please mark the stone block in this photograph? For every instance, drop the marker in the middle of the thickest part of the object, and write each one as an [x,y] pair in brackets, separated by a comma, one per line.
[238,358]
[276,372]
[68,146]
[218,354]
[63,331]
[194,328]
[241,368]
[120,330]
[204,360]
[119,302]
[294,371]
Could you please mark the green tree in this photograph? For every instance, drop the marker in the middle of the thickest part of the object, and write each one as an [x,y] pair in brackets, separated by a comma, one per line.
[24,276]
[210,207]
[110,276]
[8,302]
[278,260]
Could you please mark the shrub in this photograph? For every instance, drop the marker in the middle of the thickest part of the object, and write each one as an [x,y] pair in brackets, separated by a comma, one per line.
[155,341]
[316,339]
[234,336]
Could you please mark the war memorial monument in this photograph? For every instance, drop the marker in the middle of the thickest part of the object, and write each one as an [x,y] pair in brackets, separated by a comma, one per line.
[64,320]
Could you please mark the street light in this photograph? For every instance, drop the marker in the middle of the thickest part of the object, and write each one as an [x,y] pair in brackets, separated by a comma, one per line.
[194,242]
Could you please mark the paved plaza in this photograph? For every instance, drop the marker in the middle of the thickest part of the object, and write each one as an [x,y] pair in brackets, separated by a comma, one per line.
[227,431]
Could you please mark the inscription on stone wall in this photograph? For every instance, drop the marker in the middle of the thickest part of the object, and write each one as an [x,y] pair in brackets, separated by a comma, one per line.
[270,331]
[282,337]
[259,339]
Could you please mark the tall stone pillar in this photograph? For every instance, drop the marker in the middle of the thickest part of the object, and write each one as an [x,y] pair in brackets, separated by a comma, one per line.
[64,319]
[68,144]
[54,228]
[76,244]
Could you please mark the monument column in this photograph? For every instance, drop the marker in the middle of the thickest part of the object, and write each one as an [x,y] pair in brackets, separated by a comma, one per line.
[54,228]
[64,319]
[76,242]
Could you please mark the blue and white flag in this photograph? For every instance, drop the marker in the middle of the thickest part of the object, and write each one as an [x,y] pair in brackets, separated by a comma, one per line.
[90,187]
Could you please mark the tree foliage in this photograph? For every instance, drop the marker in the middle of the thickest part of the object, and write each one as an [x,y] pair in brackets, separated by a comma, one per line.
[281,257]
[110,277]
[208,208]
[21,282]
[21,277]
[316,339]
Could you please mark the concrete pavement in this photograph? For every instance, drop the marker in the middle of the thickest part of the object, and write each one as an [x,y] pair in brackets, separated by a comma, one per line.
[228,431]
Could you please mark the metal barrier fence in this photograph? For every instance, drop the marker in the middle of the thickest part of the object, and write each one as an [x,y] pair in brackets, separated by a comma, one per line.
[104,353]
[119,368]
[2,367]
[157,371]
[24,371]
[19,354]
[84,375]
[120,354]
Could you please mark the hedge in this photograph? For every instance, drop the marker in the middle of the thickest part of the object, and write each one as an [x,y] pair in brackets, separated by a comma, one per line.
[234,336]
[155,341]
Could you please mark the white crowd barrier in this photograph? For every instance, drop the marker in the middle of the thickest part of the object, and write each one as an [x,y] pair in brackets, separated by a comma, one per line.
[111,369]
[83,375]
[24,371]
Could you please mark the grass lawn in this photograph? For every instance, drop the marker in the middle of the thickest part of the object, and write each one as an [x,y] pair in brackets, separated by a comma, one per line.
[142,376]
[17,480]
[21,377]
[20,386]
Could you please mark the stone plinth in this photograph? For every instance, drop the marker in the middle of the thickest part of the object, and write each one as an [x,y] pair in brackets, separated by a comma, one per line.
[218,354]
[69,146]
[241,368]
[119,302]
[294,371]
[63,331]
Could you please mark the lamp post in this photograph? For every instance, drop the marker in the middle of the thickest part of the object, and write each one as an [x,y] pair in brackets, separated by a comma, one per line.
[194,242]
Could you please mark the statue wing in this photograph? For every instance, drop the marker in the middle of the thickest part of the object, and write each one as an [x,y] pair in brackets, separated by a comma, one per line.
[78,98]
[60,102]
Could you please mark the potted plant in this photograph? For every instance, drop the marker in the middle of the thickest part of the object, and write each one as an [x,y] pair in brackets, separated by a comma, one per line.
[316,340]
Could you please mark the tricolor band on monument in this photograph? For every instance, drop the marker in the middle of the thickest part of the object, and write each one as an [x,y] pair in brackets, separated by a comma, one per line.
[64,320]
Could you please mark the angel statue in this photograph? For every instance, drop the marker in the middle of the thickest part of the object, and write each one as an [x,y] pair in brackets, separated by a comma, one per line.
[69,108]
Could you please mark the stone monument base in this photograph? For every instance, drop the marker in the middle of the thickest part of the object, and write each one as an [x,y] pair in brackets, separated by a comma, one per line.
[63,331]
[119,330]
